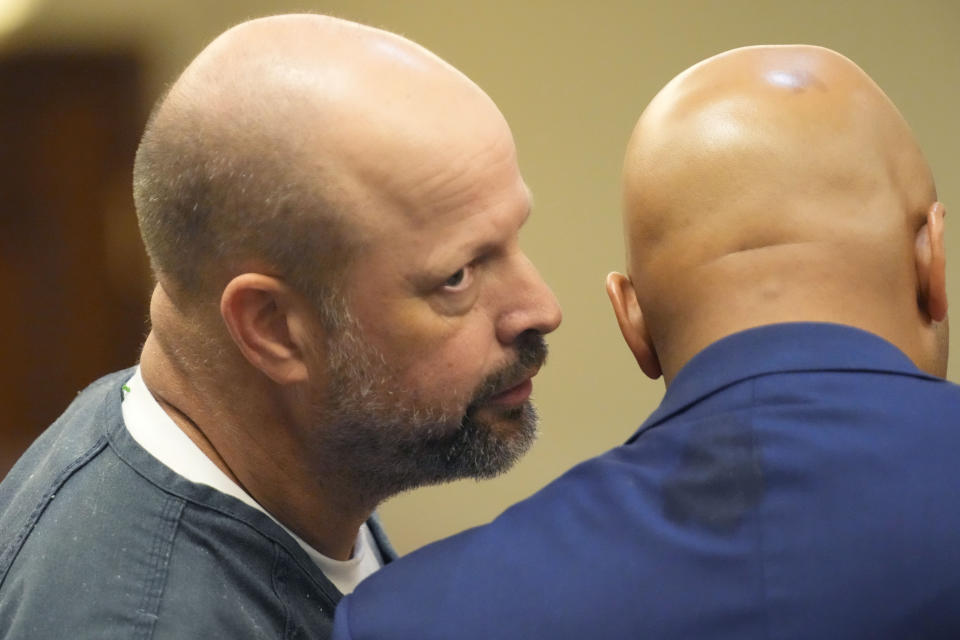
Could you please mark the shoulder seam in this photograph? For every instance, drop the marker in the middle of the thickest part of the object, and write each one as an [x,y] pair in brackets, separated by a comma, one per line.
[11,552]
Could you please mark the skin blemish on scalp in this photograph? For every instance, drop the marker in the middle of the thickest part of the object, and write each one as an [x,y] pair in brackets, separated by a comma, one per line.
[794,80]
[399,54]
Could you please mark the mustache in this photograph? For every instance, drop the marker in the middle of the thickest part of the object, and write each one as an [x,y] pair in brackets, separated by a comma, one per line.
[531,355]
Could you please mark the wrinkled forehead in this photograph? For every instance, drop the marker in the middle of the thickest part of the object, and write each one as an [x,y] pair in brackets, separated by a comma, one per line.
[417,164]
[446,213]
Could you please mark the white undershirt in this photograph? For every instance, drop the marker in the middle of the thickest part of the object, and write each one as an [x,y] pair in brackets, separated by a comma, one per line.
[156,432]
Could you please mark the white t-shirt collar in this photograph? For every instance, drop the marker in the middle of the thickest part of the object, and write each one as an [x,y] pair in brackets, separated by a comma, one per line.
[156,432]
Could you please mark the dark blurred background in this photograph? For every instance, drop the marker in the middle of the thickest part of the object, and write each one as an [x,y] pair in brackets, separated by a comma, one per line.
[77,78]
[72,269]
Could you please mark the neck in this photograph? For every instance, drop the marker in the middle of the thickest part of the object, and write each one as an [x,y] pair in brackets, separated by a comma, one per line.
[240,424]
[742,291]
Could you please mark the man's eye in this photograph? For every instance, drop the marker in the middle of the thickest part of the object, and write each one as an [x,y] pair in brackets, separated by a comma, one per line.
[455,279]
[458,280]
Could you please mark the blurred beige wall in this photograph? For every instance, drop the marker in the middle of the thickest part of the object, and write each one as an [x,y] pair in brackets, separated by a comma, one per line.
[572,77]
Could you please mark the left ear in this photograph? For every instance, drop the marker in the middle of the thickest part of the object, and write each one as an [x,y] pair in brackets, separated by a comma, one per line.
[267,322]
[626,307]
[931,264]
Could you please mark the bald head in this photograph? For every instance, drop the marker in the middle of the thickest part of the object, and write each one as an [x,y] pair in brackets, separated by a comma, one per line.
[772,184]
[779,130]
[274,146]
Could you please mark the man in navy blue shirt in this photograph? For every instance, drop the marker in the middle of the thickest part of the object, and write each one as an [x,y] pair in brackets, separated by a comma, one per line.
[799,479]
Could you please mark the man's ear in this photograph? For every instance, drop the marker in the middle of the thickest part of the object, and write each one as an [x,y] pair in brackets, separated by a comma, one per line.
[266,320]
[931,264]
[626,308]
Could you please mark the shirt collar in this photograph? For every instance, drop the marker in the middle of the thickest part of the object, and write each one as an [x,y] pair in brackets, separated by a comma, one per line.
[779,348]
[156,432]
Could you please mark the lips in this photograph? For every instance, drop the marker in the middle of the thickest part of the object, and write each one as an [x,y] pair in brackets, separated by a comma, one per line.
[517,393]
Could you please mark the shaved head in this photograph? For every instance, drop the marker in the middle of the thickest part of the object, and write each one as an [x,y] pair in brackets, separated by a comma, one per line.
[768,129]
[276,145]
[771,184]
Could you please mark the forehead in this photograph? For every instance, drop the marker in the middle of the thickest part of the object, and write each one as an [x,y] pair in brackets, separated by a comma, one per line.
[444,181]
[448,218]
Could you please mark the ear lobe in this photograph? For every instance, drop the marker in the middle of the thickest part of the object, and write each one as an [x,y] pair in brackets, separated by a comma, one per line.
[931,264]
[262,317]
[626,308]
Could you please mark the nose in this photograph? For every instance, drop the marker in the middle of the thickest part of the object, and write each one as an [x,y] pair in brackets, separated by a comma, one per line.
[530,305]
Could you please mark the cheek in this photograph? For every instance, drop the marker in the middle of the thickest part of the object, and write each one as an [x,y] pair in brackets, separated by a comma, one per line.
[442,356]
[434,354]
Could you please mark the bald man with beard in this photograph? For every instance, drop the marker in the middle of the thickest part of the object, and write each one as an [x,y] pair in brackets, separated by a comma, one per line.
[799,479]
[342,312]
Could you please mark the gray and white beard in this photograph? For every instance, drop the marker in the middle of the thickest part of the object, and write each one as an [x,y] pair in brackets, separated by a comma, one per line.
[383,439]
